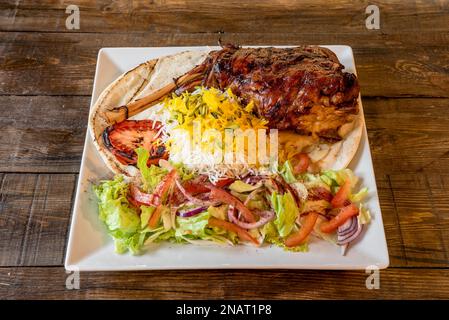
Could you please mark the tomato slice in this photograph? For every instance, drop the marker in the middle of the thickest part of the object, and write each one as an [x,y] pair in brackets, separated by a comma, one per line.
[139,198]
[199,184]
[225,197]
[299,237]
[154,219]
[342,196]
[242,233]
[223,182]
[196,185]
[164,186]
[123,138]
[300,162]
[133,202]
[344,214]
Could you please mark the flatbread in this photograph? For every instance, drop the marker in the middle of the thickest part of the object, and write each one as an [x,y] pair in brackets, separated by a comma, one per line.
[155,74]
[132,85]
[341,156]
[342,152]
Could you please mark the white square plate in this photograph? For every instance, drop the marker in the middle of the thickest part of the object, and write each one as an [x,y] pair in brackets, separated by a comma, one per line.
[90,248]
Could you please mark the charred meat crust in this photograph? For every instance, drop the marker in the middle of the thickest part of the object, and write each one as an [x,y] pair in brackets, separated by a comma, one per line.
[301,88]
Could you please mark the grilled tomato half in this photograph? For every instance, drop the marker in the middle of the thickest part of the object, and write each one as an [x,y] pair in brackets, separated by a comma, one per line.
[123,138]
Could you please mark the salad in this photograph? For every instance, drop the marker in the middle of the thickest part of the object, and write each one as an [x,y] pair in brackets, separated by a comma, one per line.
[289,208]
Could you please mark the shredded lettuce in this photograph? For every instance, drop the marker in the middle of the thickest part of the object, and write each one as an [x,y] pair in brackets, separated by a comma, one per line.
[340,176]
[286,212]
[195,226]
[313,180]
[134,243]
[242,187]
[120,218]
[167,221]
[130,231]
[145,215]
[257,204]
[329,237]
[168,235]
[334,179]
[271,235]
[359,196]
[183,172]
[218,212]
[240,191]
[241,196]
[364,215]
[316,205]
[152,175]
[287,172]
[158,234]
[327,180]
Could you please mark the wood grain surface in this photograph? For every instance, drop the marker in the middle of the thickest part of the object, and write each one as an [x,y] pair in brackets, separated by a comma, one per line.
[45,283]
[46,78]
[388,67]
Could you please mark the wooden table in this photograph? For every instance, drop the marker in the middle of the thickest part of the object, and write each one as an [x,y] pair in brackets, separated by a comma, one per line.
[46,75]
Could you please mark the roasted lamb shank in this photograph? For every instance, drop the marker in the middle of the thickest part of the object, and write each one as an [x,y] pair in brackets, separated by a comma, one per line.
[302,88]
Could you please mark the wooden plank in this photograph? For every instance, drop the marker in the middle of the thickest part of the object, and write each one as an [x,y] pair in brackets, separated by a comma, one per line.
[17,192]
[34,215]
[234,16]
[415,214]
[49,283]
[390,219]
[408,135]
[47,230]
[415,219]
[42,134]
[438,186]
[389,66]
[421,229]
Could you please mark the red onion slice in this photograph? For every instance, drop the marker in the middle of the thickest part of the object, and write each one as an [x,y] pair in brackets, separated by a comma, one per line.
[254,179]
[190,213]
[265,217]
[344,248]
[349,231]
[348,228]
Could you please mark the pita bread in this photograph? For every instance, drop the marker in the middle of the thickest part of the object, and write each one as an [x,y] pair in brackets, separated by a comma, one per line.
[130,86]
[342,152]
[155,74]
